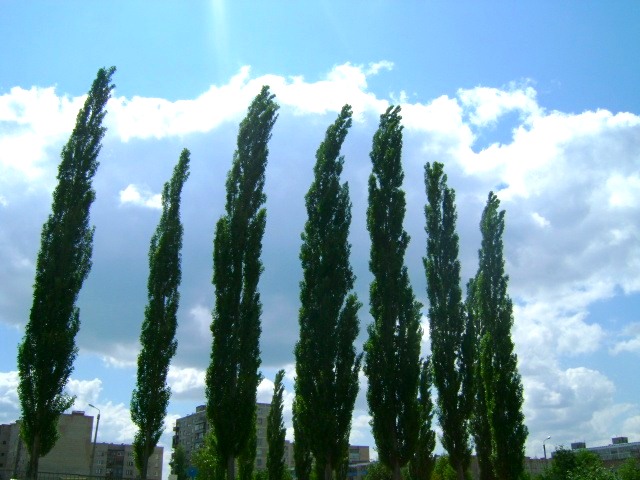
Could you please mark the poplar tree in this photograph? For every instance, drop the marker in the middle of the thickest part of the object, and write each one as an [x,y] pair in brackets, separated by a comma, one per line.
[232,377]
[497,363]
[303,460]
[423,462]
[48,349]
[157,338]
[276,432]
[326,362]
[452,338]
[392,351]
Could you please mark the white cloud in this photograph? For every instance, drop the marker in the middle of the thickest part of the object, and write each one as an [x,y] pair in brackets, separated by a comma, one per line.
[122,355]
[571,195]
[485,105]
[31,121]
[9,402]
[86,391]
[631,345]
[186,381]
[540,220]
[140,196]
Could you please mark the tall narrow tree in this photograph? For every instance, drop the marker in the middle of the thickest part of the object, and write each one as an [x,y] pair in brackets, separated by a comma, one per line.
[301,451]
[326,362]
[423,462]
[232,376]
[451,335]
[47,351]
[157,339]
[392,351]
[497,362]
[276,431]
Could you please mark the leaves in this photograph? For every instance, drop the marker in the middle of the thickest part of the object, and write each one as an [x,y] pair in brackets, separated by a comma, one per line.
[47,352]
[327,365]
[157,339]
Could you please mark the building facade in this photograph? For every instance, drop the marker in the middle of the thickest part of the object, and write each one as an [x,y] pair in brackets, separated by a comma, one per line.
[116,461]
[189,432]
[614,454]
[71,455]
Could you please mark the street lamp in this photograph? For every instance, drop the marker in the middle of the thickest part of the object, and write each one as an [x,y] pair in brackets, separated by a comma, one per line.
[95,437]
[544,447]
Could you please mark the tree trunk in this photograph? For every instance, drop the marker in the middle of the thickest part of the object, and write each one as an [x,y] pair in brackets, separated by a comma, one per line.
[397,474]
[145,465]
[328,471]
[34,458]
[231,467]
[460,472]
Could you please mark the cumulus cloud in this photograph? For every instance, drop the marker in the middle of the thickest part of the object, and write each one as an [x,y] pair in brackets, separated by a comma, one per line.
[186,381]
[140,196]
[568,182]
[632,345]
[9,403]
[85,391]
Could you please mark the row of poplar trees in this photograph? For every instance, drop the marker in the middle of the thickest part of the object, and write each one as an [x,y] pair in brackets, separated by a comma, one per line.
[472,366]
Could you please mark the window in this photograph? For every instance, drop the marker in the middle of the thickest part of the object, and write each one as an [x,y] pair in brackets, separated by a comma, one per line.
[129,472]
[98,470]
[130,463]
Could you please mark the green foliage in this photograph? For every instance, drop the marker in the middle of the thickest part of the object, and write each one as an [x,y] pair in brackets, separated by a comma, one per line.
[423,461]
[301,450]
[178,463]
[326,362]
[452,339]
[206,460]
[247,458]
[443,469]
[158,345]
[392,351]
[232,376]
[48,350]
[276,432]
[500,391]
[629,470]
[577,465]
[378,471]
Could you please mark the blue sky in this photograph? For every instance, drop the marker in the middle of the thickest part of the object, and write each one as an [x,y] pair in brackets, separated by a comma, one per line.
[537,99]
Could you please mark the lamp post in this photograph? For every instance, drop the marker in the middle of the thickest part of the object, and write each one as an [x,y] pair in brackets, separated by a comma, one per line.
[95,437]
[544,447]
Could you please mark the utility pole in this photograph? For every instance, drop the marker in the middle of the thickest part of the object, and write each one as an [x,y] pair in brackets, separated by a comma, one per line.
[95,437]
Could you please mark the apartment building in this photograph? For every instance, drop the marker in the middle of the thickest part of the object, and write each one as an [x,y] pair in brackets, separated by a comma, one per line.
[116,461]
[189,432]
[72,452]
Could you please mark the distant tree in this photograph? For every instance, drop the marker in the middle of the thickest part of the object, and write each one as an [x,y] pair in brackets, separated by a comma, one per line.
[443,469]
[302,457]
[392,351]
[232,377]
[276,432]
[378,471]
[452,337]
[501,384]
[629,470]
[47,351]
[178,463]
[326,362]
[577,465]
[422,464]
[206,461]
[151,395]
